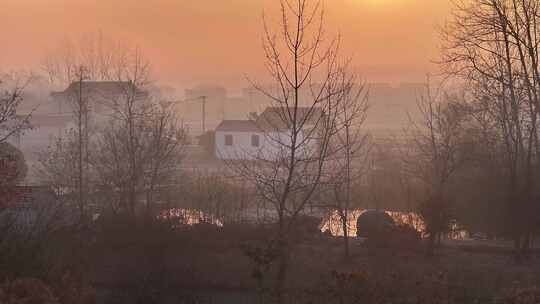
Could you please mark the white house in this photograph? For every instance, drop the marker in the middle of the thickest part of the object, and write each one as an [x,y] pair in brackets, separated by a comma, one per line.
[238,139]
[266,136]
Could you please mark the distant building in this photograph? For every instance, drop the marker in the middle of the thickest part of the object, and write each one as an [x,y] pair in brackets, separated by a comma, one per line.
[44,128]
[101,96]
[237,108]
[260,98]
[390,107]
[265,135]
[203,102]
[210,91]
[58,112]
[237,139]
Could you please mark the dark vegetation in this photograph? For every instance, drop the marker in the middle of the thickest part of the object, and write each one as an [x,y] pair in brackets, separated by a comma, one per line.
[126,260]
[118,219]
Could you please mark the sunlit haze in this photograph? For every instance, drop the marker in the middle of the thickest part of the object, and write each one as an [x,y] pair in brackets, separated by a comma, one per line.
[215,41]
[269,151]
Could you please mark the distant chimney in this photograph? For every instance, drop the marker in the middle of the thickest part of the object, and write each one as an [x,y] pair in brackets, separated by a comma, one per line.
[253,116]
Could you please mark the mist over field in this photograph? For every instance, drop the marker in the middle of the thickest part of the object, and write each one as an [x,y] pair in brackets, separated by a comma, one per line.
[275,151]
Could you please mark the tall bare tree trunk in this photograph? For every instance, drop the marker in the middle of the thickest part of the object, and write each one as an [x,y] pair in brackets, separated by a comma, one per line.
[345,227]
[81,110]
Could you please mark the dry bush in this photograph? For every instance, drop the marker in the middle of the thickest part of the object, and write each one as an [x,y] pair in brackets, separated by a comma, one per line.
[399,237]
[26,291]
[522,295]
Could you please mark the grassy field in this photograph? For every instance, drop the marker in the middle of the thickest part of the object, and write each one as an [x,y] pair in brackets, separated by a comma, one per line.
[212,265]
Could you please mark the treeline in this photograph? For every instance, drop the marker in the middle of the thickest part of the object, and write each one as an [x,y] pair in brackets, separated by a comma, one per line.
[470,159]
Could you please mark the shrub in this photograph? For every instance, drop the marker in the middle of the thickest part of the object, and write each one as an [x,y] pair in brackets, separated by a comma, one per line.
[401,237]
[529,295]
[12,171]
[26,291]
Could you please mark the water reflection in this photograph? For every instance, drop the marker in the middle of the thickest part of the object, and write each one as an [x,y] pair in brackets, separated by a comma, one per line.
[332,223]
[183,217]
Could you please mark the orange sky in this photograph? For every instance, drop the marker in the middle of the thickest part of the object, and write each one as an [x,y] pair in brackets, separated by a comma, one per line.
[218,41]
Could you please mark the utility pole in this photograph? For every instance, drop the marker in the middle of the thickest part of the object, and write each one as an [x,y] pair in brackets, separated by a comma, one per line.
[203,114]
[82,118]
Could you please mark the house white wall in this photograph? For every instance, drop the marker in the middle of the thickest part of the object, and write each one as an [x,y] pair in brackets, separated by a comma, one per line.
[241,147]
[272,146]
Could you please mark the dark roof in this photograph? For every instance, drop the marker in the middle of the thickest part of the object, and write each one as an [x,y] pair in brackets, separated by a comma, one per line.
[277,118]
[50,120]
[109,86]
[237,126]
[273,118]
[106,88]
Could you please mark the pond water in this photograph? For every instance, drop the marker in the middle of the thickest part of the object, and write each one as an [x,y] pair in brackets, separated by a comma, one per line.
[333,224]
[330,222]
[189,217]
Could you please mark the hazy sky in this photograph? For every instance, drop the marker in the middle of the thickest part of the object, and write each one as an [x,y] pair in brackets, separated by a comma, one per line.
[219,41]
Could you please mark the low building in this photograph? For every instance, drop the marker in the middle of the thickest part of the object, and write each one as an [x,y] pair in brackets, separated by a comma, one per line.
[237,140]
[59,115]
[100,97]
[266,136]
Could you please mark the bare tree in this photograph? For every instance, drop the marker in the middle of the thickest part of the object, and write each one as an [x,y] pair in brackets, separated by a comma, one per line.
[167,139]
[136,139]
[141,147]
[299,126]
[102,57]
[58,164]
[13,170]
[350,153]
[12,165]
[12,124]
[72,65]
[80,102]
[492,46]
[436,139]
[216,195]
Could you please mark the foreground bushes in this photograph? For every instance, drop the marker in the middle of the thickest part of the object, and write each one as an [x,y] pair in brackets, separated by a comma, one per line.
[397,237]
[137,260]
[23,291]
[35,291]
[522,296]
